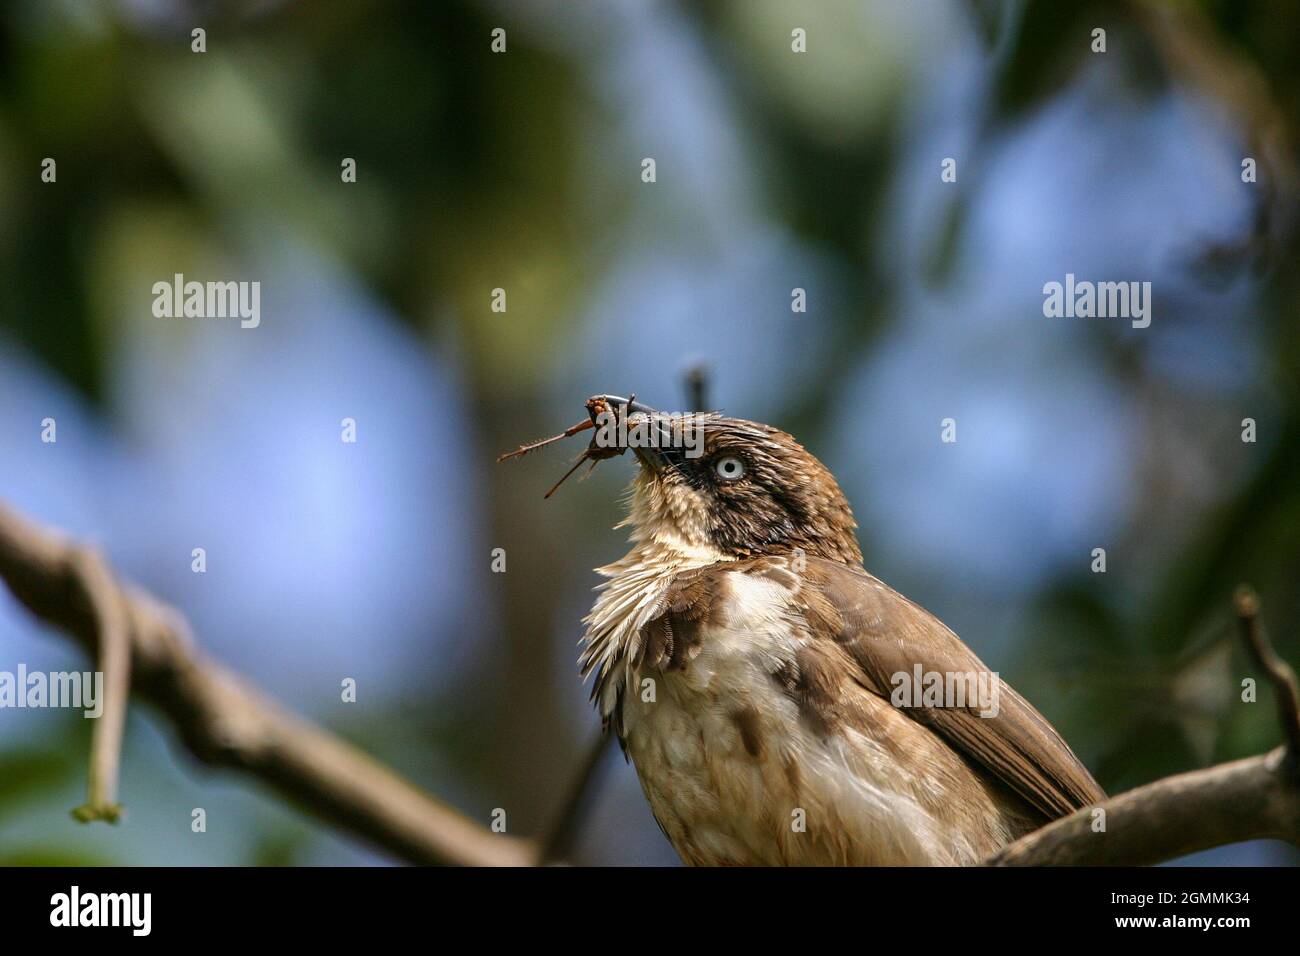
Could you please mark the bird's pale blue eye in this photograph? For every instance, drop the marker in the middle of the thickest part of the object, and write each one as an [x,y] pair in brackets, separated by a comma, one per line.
[729,468]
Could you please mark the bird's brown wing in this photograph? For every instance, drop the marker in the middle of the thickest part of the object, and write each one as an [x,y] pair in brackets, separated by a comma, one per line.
[856,622]
[886,635]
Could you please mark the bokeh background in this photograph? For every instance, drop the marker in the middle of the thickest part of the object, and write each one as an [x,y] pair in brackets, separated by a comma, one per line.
[522,171]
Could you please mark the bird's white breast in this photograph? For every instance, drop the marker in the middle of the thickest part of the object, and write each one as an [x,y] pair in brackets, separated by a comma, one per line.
[734,775]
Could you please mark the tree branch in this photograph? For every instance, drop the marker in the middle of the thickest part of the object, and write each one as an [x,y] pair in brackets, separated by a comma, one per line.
[1253,799]
[223,720]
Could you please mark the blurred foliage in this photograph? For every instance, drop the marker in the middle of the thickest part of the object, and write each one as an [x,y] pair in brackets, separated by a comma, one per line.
[27,774]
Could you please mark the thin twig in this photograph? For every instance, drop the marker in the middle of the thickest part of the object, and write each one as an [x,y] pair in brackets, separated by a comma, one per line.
[1266,659]
[697,387]
[559,844]
[114,658]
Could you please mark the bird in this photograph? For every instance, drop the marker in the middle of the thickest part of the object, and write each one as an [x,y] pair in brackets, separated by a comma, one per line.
[755,673]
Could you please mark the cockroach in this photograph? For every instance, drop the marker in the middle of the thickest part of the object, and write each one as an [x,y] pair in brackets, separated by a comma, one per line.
[597,405]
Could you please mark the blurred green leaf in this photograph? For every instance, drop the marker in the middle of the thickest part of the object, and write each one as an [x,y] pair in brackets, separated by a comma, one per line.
[27,774]
[54,856]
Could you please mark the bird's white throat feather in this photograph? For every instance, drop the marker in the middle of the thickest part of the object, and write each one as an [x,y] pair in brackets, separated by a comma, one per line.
[668,537]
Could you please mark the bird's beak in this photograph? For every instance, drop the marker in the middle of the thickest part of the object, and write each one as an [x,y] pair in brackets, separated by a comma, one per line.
[616,402]
[653,458]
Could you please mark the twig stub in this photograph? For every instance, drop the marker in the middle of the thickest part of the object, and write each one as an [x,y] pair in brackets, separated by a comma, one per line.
[1278,671]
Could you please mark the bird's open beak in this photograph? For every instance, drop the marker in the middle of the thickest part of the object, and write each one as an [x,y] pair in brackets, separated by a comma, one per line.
[653,458]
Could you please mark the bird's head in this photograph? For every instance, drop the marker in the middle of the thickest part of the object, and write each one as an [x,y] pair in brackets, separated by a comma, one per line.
[739,488]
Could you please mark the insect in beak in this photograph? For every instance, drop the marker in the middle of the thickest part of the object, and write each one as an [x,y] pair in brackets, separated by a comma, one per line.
[597,406]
